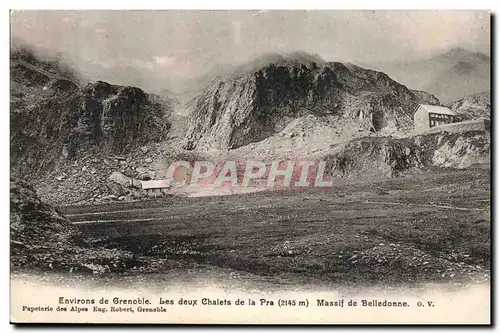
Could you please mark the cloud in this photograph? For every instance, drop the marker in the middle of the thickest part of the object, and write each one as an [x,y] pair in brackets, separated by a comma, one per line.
[145,64]
[164,61]
[237,32]
[101,30]
[185,43]
[27,25]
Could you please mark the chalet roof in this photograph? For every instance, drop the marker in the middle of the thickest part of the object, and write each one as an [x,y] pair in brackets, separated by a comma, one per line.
[436,109]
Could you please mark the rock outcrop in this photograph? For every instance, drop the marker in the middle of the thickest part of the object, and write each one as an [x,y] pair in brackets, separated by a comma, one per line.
[254,104]
[370,157]
[375,157]
[463,151]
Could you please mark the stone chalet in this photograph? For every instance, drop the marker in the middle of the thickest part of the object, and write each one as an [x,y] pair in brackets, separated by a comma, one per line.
[427,117]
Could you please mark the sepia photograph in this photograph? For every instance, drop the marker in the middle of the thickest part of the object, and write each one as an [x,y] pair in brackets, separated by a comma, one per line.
[250,166]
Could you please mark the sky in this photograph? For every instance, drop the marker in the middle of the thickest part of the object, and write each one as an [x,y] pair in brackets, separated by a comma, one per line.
[184,44]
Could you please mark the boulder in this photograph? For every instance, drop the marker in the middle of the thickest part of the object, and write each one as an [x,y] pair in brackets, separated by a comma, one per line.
[144,173]
[120,179]
[136,184]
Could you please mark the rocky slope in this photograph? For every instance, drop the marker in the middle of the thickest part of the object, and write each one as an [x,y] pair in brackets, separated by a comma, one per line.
[41,238]
[376,157]
[54,119]
[99,177]
[393,157]
[260,100]
[33,222]
[473,106]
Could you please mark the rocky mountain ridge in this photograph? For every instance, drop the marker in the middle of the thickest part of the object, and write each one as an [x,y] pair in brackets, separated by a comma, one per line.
[95,142]
[450,76]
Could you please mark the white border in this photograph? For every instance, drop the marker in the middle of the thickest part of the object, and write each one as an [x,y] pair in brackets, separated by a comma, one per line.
[257,4]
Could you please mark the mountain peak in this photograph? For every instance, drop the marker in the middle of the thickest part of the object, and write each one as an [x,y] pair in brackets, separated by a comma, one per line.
[281,59]
[459,54]
[260,102]
[463,67]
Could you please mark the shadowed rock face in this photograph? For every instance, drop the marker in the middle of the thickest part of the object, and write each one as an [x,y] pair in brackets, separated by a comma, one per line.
[54,119]
[251,106]
[426,98]
[111,119]
[115,118]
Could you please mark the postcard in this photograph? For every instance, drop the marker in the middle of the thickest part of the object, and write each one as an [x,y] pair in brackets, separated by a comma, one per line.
[250,167]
